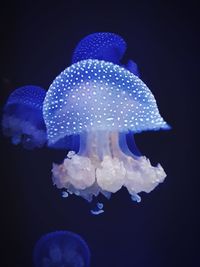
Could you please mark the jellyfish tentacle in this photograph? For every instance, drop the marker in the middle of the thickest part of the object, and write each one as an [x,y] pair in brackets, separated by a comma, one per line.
[98,209]
[110,169]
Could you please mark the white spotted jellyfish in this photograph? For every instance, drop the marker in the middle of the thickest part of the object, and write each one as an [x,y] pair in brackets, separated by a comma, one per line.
[23,120]
[100,45]
[101,102]
[104,46]
[61,249]
[22,117]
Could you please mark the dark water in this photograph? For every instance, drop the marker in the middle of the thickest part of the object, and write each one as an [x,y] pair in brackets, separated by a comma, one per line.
[162,230]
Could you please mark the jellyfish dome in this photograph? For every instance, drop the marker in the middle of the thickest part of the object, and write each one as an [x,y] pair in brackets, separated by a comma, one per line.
[104,46]
[102,102]
[61,249]
[22,117]
[100,45]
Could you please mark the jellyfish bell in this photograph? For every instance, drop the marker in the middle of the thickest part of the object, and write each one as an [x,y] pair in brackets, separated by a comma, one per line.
[22,117]
[61,248]
[106,46]
[100,45]
[102,102]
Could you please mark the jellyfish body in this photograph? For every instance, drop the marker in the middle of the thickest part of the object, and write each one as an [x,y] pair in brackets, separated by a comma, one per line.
[100,45]
[23,119]
[61,249]
[102,102]
[104,46]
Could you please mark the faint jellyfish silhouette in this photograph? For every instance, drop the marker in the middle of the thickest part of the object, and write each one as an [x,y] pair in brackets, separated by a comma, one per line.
[23,120]
[104,46]
[61,249]
[104,103]
[22,117]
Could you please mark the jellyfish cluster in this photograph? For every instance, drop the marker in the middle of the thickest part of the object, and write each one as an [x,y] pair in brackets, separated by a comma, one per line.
[89,109]
[61,249]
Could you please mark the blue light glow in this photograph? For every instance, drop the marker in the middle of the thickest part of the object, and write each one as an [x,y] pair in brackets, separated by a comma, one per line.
[61,248]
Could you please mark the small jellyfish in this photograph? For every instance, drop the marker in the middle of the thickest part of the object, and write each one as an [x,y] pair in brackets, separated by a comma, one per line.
[104,46]
[102,102]
[22,117]
[61,249]
[23,120]
[100,45]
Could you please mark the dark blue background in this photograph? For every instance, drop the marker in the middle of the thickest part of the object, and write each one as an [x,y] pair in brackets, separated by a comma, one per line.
[37,42]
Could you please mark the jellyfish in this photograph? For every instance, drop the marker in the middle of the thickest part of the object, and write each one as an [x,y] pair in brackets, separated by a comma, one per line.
[100,45]
[22,117]
[104,46]
[102,102]
[23,120]
[61,249]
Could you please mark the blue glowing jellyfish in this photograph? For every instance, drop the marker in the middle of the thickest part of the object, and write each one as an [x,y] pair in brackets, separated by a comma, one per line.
[22,118]
[61,249]
[100,45]
[104,46]
[102,102]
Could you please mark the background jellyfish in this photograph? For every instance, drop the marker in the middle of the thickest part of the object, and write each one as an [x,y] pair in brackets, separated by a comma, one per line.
[22,118]
[102,102]
[103,46]
[61,249]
